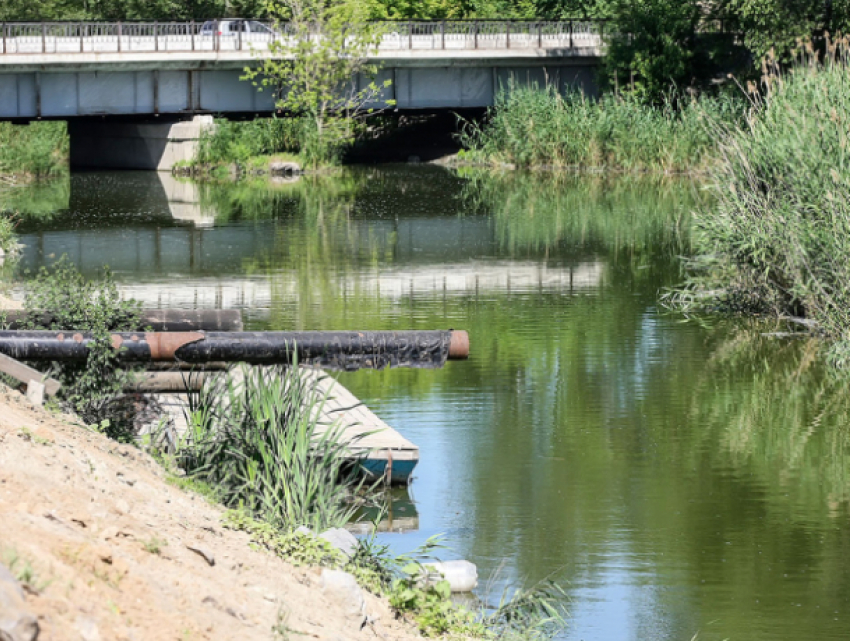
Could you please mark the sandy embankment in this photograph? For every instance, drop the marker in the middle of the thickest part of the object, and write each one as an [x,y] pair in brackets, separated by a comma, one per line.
[107,538]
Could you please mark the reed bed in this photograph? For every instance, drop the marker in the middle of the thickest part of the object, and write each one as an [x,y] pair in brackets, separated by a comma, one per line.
[777,239]
[532,126]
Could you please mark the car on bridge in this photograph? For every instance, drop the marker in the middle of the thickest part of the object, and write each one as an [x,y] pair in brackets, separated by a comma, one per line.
[232,28]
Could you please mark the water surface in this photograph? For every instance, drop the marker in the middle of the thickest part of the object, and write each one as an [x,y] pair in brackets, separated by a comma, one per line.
[676,477]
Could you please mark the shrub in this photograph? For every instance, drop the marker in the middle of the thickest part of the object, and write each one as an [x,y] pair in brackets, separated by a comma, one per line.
[94,306]
[36,150]
[236,142]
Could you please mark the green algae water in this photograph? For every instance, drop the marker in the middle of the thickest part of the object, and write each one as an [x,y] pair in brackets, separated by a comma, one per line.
[676,477]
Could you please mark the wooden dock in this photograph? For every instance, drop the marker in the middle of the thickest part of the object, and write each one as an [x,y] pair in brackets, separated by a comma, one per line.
[380,449]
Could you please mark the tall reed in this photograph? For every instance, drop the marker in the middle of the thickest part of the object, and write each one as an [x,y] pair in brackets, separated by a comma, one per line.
[532,126]
[257,437]
[778,239]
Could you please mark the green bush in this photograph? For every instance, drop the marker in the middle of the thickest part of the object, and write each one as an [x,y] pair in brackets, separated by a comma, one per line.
[237,142]
[779,237]
[94,306]
[532,126]
[36,150]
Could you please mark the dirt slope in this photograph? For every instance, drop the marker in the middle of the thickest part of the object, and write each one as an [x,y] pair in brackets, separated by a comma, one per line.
[89,515]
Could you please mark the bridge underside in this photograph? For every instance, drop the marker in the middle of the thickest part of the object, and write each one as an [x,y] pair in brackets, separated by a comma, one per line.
[71,93]
[143,119]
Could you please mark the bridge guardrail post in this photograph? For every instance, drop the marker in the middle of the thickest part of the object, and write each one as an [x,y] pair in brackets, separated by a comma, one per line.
[239,36]
[443,34]
[508,35]
[3,30]
[119,37]
[571,34]
[43,37]
[539,35]
[192,33]
[475,33]
[410,35]
[156,35]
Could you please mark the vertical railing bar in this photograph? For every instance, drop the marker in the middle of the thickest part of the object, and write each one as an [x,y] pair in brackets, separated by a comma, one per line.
[508,34]
[242,26]
[4,37]
[410,35]
[475,33]
[119,37]
[43,37]
[539,35]
[571,33]
[192,31]
[443,34]
[156,35]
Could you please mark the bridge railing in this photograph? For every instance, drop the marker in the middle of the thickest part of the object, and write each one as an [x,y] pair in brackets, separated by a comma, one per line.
[128,37]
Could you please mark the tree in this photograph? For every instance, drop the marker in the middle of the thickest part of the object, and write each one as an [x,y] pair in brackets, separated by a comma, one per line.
[653,45]
[316,66]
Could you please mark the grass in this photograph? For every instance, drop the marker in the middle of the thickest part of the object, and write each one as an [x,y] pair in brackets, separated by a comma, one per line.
[8,238]
[154,545]
[255,436]
[23,571]
[777,240]
[33,151]
[532,126]
[535,613]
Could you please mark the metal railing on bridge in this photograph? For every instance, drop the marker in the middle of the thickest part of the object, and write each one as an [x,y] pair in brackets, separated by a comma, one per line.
[252,35]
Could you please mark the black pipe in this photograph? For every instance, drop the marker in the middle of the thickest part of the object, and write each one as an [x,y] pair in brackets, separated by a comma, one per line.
[156,320]
[330,350]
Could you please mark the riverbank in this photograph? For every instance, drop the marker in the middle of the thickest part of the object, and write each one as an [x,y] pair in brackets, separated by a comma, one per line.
[775,241]
[120,553]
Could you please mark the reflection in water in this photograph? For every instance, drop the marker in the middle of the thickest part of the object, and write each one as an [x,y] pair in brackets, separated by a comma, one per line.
[676,479]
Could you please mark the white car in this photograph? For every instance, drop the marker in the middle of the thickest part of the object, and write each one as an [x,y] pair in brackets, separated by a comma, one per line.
[231,28]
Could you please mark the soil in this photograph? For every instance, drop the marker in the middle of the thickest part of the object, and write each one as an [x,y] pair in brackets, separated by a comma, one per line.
[109,542]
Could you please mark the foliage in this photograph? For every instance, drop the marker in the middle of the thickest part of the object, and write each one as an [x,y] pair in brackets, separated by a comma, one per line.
[8,239]
[313,69]
[35,150]
[779,25]
[256,436]
[297,548]
[94,306]
[531,126]
[776,241]
[397,577]
[653,46]
[239,142]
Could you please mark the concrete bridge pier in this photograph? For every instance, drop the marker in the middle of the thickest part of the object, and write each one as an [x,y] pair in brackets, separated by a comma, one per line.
[157,145]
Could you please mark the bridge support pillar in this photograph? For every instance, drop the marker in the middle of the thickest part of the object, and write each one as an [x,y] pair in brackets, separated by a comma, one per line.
[123,145]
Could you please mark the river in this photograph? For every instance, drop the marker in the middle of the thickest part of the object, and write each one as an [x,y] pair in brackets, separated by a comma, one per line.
[675,476]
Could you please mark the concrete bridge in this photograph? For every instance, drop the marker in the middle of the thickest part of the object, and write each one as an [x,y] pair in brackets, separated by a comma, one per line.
[132,87]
